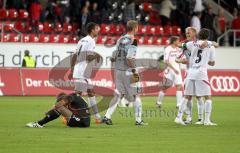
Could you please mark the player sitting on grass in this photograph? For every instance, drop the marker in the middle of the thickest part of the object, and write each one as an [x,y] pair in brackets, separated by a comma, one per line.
[72,107]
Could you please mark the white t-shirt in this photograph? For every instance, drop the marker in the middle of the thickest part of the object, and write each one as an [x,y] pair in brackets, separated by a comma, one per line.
[83,68]
[199,59]
[170,55]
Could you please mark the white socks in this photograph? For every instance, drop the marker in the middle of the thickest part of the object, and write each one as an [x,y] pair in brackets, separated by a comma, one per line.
[112,106]
[93,104]
[160,97]
[188,110]
[179,98]
[200,107]
[182,108]
[138,109]
[208,110]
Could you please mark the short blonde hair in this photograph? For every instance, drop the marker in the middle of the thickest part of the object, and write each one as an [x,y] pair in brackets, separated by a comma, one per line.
[131,25]
[192,29]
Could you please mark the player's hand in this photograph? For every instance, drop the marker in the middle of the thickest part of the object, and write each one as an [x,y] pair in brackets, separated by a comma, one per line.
[215,44]
[135,78]
[70,75]
[204,45]
[112,59]
[98,57]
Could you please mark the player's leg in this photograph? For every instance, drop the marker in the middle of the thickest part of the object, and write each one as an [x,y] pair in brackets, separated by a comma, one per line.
[200,108]
[203,89]
[179,93]
[112,107]
[188,111]
[93,105]
[188,92]
[160,98]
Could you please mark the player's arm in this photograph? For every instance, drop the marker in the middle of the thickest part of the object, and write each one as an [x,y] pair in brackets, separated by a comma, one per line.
[92,57]
[73,62]
[211,61]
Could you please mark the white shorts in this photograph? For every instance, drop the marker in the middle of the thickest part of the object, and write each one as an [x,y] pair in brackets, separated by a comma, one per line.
[82,85]
[197,88]
[175,78]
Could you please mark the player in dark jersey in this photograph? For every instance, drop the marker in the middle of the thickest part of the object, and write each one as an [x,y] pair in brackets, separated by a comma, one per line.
[72,107]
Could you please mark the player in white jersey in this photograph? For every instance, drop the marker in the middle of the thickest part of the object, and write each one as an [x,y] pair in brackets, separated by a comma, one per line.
[172,71]
[81,66]
[197,79]
[126,75]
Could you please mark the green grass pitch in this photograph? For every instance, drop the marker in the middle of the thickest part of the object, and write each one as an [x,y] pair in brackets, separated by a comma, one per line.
[162,135]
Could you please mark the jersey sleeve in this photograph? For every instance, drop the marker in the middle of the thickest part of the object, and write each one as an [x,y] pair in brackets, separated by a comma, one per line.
[212,54]
[166,54]
[188,45]
[131,52]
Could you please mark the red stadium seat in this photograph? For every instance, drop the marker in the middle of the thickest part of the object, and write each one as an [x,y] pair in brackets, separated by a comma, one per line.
[33,38]
[28,27]
[47,27]
[150,30]
[3,14]
[63,39]
[142,29]
[113,29]
[6,37]
[43,38]
[58,27]
[140,40]
[23,14]
[53,38]
[73,39]
[8,26]
[14,37]
[67,28]
[75,27]
[120,29]
[157,40]
[13,14]
[19,26]
[176,30]
[159,30]
[167,30]
[101,39]
[147,40]
[40,27]
[110,40]
[164,41]
[105,28]
[147,7]
[25,38]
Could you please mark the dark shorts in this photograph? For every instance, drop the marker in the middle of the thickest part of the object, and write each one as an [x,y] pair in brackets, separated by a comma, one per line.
[79,122]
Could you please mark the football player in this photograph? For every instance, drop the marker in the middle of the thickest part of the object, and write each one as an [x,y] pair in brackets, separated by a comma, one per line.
[72,107]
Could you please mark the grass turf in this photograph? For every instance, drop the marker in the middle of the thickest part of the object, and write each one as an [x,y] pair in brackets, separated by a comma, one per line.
[161,135]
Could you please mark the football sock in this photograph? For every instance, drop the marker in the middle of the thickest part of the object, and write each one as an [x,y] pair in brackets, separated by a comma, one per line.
[93,104]
[200,107]
[182,108]
[208,110]
[138,109]
[112,106]
[160,97]
[50,115]
[189,110]
[179,97]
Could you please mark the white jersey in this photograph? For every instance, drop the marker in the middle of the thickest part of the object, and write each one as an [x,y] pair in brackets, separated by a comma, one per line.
[170,55]
[199,59]
[85,47]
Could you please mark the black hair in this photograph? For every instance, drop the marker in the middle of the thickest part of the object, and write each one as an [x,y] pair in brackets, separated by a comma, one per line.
[203,34]
[90,27]
[135,42]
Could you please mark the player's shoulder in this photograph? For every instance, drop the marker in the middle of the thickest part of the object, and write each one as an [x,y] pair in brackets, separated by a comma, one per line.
[86,39]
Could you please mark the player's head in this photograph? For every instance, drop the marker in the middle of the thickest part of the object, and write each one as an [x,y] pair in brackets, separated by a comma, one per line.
[60,96]
[203,34]
[191,33]
[93,29]
[132,26]
[174,40]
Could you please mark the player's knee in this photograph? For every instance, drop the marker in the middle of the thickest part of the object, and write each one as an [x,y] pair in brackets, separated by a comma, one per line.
[188,97]
[179,87]
[207,97]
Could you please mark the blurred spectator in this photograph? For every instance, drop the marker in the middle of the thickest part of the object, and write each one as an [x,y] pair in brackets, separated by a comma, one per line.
[28,61]
[129,11]
[207,21]
[198,6]
[17,4]
[50,11]
[219,23]
[195,21]
[235,26]
[95,15]
[84,18]
[75,7]
[165,11]
[35,12]
[64,6]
